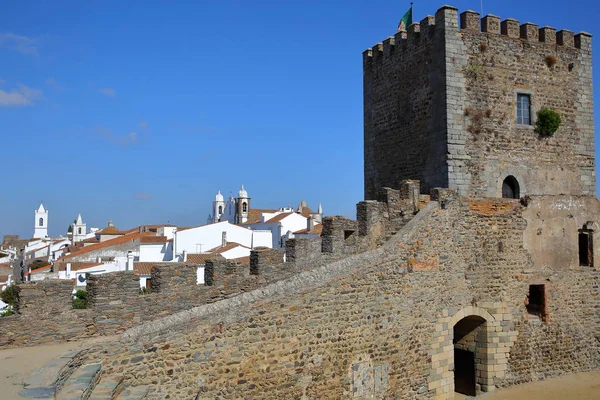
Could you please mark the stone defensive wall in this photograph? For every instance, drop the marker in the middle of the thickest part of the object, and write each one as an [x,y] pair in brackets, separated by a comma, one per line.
[463,275]
[457,78]
[115,302]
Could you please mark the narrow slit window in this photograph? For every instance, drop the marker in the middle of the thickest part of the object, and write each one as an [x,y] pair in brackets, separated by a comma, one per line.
[586,252]
[523,109]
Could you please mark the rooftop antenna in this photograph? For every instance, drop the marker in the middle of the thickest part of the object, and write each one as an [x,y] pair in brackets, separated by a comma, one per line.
[482,8]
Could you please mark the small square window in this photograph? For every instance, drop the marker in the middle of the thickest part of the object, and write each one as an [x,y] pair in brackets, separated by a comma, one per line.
[523,109]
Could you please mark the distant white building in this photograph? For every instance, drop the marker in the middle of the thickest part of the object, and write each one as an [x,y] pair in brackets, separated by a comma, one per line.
[41,223]
[235,210]
[205,238]
[281,223]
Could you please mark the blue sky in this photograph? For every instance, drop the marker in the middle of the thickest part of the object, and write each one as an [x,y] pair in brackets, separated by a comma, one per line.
[139,111]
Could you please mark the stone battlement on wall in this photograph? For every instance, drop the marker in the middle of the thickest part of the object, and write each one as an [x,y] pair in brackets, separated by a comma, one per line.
[511,28]
[403,43]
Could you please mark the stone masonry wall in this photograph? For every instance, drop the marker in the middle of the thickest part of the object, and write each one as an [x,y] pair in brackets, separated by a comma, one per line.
[302,250]
[404,109]
[492,66]
[46,314]
[380,324]
[440,107]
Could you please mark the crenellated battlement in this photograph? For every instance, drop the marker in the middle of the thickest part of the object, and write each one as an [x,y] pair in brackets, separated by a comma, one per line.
[403,41]
[470,21]
[491,24]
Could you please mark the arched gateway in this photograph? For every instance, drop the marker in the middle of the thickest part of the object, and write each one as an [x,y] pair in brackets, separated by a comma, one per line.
[463,354]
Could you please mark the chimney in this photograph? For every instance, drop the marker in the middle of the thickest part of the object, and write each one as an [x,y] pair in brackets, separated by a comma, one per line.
[68,270]
[99,259]
[185,256]
[224,239]
[129,262]
[310,224]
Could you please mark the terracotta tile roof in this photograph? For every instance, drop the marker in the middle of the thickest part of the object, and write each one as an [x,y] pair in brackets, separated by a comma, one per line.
[279,217]
[75,265]
[145,268]
[201,258]
[306,211]
[3,278]
[227,247]
[110,230]
[317,230]
[153,239]
[241,260]
[111,242]
[255,213]
[151,228]
[91,240]
[39,270]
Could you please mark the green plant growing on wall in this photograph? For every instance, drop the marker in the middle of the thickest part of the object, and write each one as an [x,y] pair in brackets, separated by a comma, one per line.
[10,296]
[81,300]
[547,123]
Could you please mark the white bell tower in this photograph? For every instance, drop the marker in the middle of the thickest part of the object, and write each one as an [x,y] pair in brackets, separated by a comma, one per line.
[218,207]
[41,223]
[79,230]
[242,206]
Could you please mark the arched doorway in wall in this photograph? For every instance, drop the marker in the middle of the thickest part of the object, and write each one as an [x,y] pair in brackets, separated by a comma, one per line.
[510,188]
[470,357]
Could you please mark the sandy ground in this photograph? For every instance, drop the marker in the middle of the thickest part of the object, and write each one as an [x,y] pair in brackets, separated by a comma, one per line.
[16,365]
[582,386]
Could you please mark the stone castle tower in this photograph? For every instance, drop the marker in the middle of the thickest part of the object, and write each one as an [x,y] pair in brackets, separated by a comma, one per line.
[455,106]
[40,223]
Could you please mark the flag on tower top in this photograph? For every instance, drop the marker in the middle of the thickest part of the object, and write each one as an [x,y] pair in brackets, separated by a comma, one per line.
[406,20]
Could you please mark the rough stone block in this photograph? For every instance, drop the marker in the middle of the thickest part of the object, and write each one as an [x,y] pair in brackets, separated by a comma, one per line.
[565,37]
[530,32]
[490,24]
[547,34]
[469,20]
[510,27]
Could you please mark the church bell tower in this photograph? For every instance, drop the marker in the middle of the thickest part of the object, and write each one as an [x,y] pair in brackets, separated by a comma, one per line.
[41,223]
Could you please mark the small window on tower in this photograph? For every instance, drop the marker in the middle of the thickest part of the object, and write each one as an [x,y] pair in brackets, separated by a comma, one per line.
[586,247]
[79,231]
[523,109]
[536,301]
[41,222]
[244,207]
[220,209]
[510,188]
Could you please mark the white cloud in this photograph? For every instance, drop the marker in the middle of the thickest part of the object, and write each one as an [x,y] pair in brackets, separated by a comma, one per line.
[108,92]
[22,44]
[22,96]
